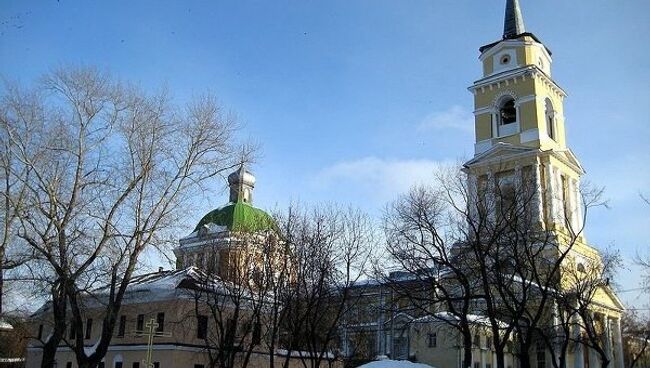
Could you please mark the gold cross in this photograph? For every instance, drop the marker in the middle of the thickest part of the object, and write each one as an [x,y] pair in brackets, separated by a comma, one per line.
[151,332]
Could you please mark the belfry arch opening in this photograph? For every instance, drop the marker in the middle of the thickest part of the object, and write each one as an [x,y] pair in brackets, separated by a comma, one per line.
[507,112]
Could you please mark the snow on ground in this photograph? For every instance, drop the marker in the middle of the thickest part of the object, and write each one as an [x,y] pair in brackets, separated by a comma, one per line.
[394,364]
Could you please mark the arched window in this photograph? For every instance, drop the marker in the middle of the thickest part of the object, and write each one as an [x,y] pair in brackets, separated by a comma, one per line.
[507,112]
[550,119]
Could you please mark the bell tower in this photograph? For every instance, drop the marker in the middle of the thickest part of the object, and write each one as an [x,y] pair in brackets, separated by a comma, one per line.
[517,101]
[520,125]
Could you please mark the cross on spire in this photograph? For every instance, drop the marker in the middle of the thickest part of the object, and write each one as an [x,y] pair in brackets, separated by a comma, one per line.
[514,20]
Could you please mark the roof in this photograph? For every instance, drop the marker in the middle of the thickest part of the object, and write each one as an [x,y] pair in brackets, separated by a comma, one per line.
[238,216]
[513,24]
[5,326]
[447,316]
[394,364]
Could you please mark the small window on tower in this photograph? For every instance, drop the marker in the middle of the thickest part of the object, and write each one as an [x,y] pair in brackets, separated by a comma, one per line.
[505,59]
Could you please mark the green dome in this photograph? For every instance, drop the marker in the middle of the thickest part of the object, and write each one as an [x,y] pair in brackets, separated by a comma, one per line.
[239,216]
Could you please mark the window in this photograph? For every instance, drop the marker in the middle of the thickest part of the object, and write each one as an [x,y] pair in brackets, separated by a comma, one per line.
[202,327]
[160,319]
[477,364]
[40,332]
[433,340]
[118,364]
[506,196]
[508,112]
[89,328]
[136,365]
[139,325]
[550,119]
[581,268]
[156,364]
[505,59]
[68,365]
[122,327]
[565,197]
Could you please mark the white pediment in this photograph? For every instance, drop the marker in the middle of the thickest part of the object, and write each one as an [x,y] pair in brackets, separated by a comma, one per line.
[500,152]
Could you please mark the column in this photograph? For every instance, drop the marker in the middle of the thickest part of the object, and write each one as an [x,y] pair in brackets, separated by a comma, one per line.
[575,194]
[538,201]
[551,194]
[474,197]
[557,330]
[618,343]
[578,359]
[608,339]
[594,357]
[490,198]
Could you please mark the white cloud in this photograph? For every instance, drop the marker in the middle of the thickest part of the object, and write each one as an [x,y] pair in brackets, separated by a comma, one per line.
[373,181]
[456,117]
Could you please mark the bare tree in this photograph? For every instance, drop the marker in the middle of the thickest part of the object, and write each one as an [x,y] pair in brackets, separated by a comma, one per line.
[14,175]
[584,283]
[481,245]
[110,170]
[636,338]
[231,298]
[418,241]
[330,251]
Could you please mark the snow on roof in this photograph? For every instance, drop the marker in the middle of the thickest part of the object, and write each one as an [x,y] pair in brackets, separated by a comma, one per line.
[446,316]
[394,364]
[5,326]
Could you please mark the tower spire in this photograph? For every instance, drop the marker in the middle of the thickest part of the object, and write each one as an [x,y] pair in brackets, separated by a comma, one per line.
[514,21]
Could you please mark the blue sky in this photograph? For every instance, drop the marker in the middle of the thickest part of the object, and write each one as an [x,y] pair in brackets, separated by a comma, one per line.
[355,101]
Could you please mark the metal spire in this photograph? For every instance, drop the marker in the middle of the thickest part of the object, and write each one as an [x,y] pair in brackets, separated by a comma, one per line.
[514,22]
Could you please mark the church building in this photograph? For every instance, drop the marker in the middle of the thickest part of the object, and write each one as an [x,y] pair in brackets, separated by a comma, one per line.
[520,142]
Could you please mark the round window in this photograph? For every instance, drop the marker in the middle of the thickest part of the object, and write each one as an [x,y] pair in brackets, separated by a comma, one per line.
[505,59]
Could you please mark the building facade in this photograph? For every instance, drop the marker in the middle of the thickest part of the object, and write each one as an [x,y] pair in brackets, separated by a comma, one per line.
[181,318]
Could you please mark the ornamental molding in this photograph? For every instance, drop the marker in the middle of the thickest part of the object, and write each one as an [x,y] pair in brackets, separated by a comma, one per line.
[498,98]
[514,77]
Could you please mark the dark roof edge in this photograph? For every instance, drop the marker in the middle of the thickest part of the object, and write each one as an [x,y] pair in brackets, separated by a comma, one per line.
[482,49]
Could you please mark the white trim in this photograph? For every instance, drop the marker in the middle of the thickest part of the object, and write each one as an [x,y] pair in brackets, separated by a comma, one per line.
[532,71]
[507,130]
[484,110]
[529,135]
[163,347]
[529,98]
[482,146]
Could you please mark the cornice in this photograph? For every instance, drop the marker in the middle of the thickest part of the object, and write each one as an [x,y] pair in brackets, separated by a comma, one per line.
[513,77]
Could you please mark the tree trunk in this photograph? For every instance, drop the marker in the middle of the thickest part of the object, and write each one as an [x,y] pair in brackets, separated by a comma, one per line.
[59,305]
[501,359]
[467,351]
[52,344]
[2,282]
